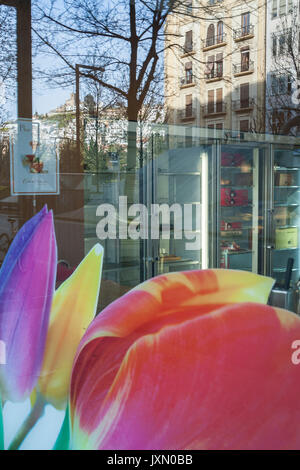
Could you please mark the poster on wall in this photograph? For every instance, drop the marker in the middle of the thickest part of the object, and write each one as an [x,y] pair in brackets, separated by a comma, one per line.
[34,163]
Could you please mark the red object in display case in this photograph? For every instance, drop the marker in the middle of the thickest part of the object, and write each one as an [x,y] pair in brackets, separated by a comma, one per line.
[234,197]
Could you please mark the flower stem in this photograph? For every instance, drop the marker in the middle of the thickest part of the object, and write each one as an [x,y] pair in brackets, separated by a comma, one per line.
[1,426]
[35,414]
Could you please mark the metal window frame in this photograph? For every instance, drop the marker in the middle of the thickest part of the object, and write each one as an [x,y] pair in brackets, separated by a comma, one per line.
[24,55]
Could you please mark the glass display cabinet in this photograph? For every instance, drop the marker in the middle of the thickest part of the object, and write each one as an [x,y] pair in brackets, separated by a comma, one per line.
[285,220]
[239,209]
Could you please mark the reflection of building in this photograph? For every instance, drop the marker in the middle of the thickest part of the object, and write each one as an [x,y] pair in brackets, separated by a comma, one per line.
[68,107]
[282,61]
[215,74]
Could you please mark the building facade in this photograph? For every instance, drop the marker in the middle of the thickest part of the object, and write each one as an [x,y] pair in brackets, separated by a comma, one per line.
[282,62]
[215,66]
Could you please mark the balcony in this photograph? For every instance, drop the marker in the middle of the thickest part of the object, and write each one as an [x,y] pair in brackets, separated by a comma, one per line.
[245,105]
[215,74]
[187,80]
[214,109]
[245,32]
[243,68]
[187,114]
[188,48]
[214,42]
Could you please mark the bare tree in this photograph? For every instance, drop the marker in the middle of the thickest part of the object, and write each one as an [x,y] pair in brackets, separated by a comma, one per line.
[7,60]
[126,37]
[283,104]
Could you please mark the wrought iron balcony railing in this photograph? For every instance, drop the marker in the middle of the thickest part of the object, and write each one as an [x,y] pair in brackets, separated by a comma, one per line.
[214,40]
[186,80]
[187,113]
[214,108]
[216,72]
[247,30]
[243,67]
[243,104]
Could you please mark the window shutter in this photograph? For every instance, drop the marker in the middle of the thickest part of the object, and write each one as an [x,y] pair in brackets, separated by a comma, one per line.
[244,95]
[210,37]
[219,100]
[211,100]
[188,41]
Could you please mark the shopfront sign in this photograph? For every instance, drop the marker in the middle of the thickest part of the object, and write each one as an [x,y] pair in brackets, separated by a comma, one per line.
[34,163]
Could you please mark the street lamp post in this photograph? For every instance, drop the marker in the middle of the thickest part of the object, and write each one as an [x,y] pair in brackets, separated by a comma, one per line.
[77,71]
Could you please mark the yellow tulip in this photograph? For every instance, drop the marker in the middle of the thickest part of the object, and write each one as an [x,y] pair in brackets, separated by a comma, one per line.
[73,308]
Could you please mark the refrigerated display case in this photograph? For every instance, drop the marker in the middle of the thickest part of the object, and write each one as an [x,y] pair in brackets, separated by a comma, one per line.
[239,209]
[285,226]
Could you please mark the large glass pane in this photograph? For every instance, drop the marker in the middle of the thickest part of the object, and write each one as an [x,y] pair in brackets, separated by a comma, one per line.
[286,219]
[239,219]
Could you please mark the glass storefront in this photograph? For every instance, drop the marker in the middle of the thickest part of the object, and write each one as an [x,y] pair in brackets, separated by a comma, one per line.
[197,200]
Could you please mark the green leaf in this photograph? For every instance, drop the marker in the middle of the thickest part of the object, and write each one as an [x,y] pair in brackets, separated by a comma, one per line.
[1,426]
[63,440]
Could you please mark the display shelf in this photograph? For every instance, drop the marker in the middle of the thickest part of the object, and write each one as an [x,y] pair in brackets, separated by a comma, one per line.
[286,187]
[285,168]
[285,249]
[284,204]
[283,270]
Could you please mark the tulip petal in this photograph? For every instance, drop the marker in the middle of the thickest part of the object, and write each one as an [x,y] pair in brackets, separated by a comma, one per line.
[164,294]
[73,308]
[222,380]
[27,284]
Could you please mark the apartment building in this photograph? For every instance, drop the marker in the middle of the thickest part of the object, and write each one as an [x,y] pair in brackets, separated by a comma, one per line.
[215,65]
[282,62]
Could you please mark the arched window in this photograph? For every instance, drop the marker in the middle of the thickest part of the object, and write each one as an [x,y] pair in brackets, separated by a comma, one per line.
[220,32]
[210,37]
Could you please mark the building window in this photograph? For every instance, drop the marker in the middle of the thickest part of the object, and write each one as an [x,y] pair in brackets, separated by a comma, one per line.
[282,7]
[188,73]
[188,105]
[219,100]
[219,126]
[244,125]
[210,67]
[210,36]
[244,95]
[281,84]
[219,65]
[245,60]
[274,46]
[245,24]
[188,44]
[220,32]
[211,101]
[189,6]
[281,44]
[274,9]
